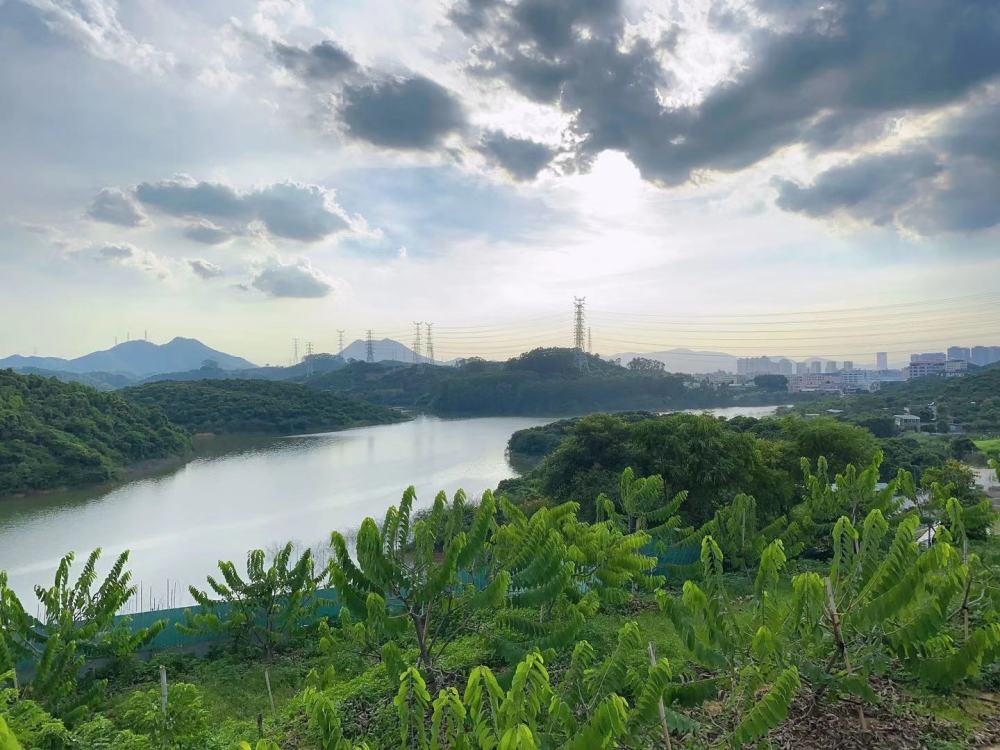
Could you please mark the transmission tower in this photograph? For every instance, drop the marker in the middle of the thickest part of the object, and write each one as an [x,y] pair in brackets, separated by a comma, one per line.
[295,351]
[590,341]
[578,322]
[416,341]
[369,347]
[340,341]
[430,343]
[309,359]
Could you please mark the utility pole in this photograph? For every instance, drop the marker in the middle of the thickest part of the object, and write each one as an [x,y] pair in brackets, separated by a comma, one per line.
[369,348]
[430,343]
[340,341]
[416,341]
[578,322]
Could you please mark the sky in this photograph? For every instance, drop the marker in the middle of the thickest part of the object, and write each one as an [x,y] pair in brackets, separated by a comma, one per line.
[757,177]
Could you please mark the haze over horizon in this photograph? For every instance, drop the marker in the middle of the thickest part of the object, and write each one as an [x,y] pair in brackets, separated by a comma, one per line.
[797,179]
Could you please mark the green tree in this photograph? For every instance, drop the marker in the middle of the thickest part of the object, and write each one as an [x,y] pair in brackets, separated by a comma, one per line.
[184,726]
[265,609]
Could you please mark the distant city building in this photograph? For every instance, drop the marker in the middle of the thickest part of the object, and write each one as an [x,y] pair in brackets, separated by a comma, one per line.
[959,352]
[935,363]
[862,381]
[816,382]
[815,367]
[801,368]
[928,357]
[881,360]
[831,366]
[848,365]
[753,366]
[907,422]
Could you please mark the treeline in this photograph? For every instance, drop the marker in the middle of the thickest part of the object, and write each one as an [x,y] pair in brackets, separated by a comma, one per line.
[972,401]
[472,626]
[55,434]
[256,406]
[540,382]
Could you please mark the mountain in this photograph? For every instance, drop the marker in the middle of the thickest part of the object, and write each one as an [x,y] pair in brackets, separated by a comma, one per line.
[136,358]
[385,350]
[313,364]
[685,360]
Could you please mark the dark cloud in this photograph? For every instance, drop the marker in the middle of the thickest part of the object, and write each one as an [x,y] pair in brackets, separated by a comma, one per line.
[523,159]
[325,61]
[290,210]
[204,268]
[872,188]
[472,15]
[827,76]
[207,233]
[404,113]
[298,212]
[948,183]
[114,206]
[277,279]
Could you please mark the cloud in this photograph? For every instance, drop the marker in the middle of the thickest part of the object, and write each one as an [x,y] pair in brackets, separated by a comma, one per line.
[204,268]
[829,75]
[870,188]
[95,26]
[207,233]
[325,61]
[290,210]
[403,113]
[947,182]
[299,279]
[114,206]
[128,255]
[522,158]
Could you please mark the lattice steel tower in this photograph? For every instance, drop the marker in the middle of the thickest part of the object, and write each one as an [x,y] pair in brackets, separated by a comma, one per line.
[369,347]
[579,328]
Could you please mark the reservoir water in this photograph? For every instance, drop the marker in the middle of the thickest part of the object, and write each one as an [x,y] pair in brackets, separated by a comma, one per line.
[237,495]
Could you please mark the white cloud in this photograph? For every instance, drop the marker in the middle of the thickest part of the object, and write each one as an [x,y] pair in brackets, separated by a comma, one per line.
[297,279]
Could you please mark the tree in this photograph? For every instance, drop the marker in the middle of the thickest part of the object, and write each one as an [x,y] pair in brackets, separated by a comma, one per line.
[417,578]
[644,364]
[184,726]
[262,611]
[771,382]
[76,623]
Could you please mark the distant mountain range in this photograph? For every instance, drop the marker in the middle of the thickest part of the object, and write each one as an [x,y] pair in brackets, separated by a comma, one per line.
[137,359]
[383,349]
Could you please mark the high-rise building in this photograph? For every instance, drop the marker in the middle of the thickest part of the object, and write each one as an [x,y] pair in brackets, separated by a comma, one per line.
[959,352]
[928,357]
[815,366]
[881,360]
[801,368]
[831,366]
[848,365]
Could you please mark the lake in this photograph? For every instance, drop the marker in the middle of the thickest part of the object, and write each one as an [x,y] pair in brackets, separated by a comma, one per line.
[240,494]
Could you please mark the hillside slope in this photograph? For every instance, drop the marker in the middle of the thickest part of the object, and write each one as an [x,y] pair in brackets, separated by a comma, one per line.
[55,434]
[260,406]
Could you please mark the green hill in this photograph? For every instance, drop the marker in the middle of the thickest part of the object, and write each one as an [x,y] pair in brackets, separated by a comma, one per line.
[256,406]
[55,434]
[540,382]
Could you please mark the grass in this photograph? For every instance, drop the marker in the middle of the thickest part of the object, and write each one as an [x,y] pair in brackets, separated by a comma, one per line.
[990,446]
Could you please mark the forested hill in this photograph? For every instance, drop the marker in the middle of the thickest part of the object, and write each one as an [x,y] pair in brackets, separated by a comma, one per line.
[972,401]
[55,434]
[539,382]
[257,406]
